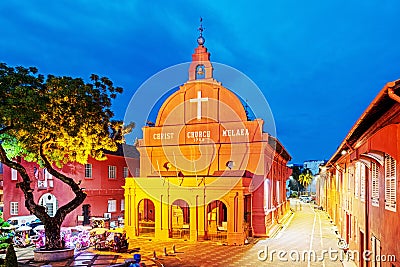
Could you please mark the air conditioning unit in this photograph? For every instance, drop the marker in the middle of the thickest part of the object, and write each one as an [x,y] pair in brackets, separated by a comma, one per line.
[107,215]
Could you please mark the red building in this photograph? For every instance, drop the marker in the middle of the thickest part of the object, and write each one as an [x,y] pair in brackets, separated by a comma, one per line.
[102,180]
[359,186]
[1,187]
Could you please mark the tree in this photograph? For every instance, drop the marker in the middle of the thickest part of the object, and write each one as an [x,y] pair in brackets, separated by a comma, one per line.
[306,177]
[294,183]
[52,121]
[11,257]
[5,239]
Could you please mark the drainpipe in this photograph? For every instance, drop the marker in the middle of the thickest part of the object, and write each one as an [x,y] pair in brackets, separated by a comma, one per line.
[367,211]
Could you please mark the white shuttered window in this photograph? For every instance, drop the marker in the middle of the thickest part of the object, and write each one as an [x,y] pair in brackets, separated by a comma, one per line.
[375,184]
[112,205]
[362,182]
[390,183]
[13,208]
[14,175]
[112,171]
[357,180]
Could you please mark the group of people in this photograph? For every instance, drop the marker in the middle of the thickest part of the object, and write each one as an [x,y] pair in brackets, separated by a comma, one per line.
[22,239]
[110,241]
[120,242]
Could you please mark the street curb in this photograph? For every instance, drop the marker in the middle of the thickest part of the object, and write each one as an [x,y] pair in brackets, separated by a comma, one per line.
[281,225]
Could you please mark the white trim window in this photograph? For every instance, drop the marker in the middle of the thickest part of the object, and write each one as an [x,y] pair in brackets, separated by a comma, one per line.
[375,184]
[112,172]
[278,192]
[357,180]
[88,170]
[350,178]
[122,204]
[126,172]
[47,175]
[14,175]
[267,195]
[13,208]
[112,205]
[390,183]
[137,172]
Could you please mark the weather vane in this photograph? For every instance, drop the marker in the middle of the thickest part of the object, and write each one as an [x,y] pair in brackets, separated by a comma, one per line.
[201,29]
[200,39]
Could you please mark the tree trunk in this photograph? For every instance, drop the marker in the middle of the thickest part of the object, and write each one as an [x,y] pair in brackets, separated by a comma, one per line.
[53,235]
[52,224]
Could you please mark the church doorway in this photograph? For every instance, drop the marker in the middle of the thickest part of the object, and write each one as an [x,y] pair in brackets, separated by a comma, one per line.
[180,219]
[146,216]
[217,220]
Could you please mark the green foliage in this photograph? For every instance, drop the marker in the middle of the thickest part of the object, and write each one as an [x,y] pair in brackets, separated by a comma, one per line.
[294,183]
[306,177]
[294,194]
[4,239]
[11,257]
[4,223]
[70,118]
[52,121]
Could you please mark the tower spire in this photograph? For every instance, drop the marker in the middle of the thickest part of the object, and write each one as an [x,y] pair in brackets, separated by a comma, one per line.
[200,39]
[201,67]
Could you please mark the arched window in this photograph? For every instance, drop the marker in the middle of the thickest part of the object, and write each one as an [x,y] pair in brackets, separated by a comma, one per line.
[50,202]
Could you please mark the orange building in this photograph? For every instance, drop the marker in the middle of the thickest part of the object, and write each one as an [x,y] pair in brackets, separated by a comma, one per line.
[359,187]
[207,172]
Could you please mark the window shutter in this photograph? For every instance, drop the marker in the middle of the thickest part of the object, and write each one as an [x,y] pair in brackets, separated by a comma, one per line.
[362,184]
[88,170]
[390,183]
[112,205]
[112,172]
[14,175]
[357,180]
[375,184]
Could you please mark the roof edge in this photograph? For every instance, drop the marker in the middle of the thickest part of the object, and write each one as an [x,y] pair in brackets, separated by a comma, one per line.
[368,111]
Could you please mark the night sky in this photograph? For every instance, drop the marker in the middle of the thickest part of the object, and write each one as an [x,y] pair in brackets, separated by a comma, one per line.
[318,64]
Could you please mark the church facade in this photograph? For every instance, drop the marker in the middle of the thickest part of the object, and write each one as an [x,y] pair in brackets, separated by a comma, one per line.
[207,172]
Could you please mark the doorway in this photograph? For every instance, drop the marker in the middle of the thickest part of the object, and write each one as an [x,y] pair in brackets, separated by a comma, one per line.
[146,217]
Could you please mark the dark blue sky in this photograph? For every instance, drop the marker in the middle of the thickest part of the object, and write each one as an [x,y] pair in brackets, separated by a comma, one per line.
[318,64]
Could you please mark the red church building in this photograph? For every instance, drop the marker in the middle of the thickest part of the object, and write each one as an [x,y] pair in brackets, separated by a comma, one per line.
[102,181]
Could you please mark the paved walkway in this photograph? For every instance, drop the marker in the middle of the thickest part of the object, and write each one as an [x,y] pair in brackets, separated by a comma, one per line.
[306,230]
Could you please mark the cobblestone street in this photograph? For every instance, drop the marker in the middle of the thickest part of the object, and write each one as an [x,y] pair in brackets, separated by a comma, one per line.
[307,229]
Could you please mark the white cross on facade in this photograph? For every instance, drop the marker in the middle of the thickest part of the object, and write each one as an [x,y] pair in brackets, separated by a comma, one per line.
[199,100]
